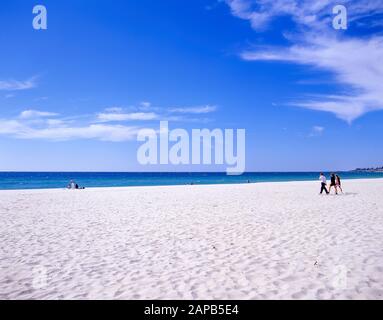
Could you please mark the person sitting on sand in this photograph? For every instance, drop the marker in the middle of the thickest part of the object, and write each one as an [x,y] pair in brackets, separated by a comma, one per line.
[333,183]
[73,185]
[323,181]
[338,183]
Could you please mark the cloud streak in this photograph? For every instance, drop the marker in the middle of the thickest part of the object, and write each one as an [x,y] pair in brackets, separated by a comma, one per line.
[353,62]
[51,126]
[316,131]
[15,85]
[32,114]
[113,133]
[33,124]
[142,116]
[194,110]
[358,71]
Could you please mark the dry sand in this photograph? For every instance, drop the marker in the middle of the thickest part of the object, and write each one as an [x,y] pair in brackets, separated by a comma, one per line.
[255,241]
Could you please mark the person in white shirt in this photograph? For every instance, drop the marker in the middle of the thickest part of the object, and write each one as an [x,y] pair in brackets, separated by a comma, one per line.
[72,185]
[323,181]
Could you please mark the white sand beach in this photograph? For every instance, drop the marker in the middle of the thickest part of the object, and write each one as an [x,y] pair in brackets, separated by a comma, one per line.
[250,241]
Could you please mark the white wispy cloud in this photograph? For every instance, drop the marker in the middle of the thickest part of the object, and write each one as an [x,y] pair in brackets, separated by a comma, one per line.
[316,131]
[261,12]
[61,130]
[113,133]
[52,126]
[352,61]
[313,13]
[194,110]
[112,116]
[41,98]
[145,104]
[33,114]
[10,127]
[114,109]
[16,85]
[359,71]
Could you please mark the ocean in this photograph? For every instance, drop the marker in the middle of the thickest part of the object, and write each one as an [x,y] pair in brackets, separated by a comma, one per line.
[51,180]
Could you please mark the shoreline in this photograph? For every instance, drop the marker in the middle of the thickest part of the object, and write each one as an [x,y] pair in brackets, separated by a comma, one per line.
[191,185]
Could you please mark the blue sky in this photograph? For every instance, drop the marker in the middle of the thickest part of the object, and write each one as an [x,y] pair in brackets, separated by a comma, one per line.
[73,97]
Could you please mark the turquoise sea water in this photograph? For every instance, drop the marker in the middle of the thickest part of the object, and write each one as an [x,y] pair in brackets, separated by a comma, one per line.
[49,180]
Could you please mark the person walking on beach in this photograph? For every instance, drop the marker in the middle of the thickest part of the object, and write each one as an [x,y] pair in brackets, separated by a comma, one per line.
[323,181]
[338,183]
[333,183]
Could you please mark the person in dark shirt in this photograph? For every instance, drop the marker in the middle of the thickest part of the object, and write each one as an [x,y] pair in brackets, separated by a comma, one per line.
[333,183]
